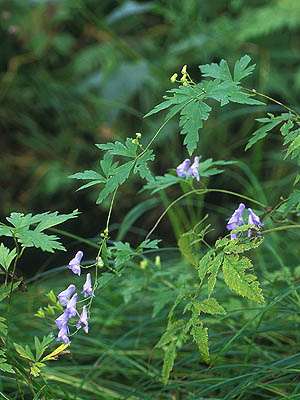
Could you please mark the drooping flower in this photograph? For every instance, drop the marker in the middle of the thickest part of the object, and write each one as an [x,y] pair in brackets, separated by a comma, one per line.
[83,320]
[87,287]
[62,319]
[193,170]
[74,264]
[183,167]
[71,306]
[62,334]
[236,220]
[253,219]
[65,295]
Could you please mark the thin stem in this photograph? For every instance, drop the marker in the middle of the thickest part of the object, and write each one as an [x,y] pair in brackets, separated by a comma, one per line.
[253,91]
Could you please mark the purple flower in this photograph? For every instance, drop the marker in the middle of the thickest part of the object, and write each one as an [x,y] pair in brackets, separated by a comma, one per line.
[236,220]
[61,320]
[65,295]
[253,219]
[182,168]
[83,320]
[71,306]
[87,287]
[74,264]
[62,334]
[194,169]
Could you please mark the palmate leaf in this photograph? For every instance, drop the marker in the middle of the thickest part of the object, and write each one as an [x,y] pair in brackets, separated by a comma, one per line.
[141,166]
[293,201]
[241,69]
[236,278]
[40,240]
[209,306]
[161,182]
[6,256]
[119,149]
[170,333]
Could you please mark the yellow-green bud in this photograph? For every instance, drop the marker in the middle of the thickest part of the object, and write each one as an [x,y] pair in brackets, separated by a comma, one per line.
[173,78]
[183,70]
[138,135]
[133,141]
[157,261]
[185,83]
[143,264]
[100,262]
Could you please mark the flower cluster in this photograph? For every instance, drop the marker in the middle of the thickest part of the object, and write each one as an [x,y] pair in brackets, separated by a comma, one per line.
[185,170]
[69,302]
[236,220]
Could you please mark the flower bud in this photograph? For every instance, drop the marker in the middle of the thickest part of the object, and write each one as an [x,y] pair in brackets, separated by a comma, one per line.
[183,70]
[173,78]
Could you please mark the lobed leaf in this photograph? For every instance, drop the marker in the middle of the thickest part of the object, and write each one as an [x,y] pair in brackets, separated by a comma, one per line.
[169,359]
[200,336]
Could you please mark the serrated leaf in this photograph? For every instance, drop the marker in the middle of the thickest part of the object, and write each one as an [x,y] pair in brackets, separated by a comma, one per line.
[213,271]
[160,300]
[48,219]
[246,285]
[122,253]
[169,359]
[161,182]
[200,336]
[261,132]
[119,149]
[170,333]
[295,145]
[191,120]
[216,71]
[293,201]
[141,166]
[149,244]
[236,246]
[6,256]
[30,238]
[185,243]
[241,70]
[5,291]
[204,265]
[120,175]
[209,306]
[105,279]
[6,368]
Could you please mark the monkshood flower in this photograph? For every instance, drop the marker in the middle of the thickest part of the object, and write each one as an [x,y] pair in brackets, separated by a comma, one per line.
[87,287]
[253,219]
[61,320]
[71,306]
[74,264]
[83,320]
[184,169]
[236,220]
[62,334]
[65,295]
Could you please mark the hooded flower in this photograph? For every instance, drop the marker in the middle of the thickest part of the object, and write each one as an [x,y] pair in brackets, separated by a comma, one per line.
[74,264]
[236,220]
[65,295]
[61,320]
[87,287]
[83,320]
[253,219]
[194,169]
[71,306]
[62,334]
[182,168]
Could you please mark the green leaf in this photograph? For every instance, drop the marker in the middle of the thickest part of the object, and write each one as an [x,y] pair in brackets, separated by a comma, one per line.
[209,306]
[205,264]
[200,336]
[241,70]
[40,240]
[213,271]
[25,353]
[122,253]
[170,333]
[6,256]
[105,279]
[260,133]
[149,244]
[169,359]
[293,201]
[141,166]
[94,176]
[120,175]
[191,120]
[119,149]
[161,298]
[185,244]
[161,182]
[6,368]
[246,285]
[216,71]
[5,291]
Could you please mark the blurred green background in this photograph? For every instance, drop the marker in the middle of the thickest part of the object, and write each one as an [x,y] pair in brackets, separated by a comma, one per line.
[74,73]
